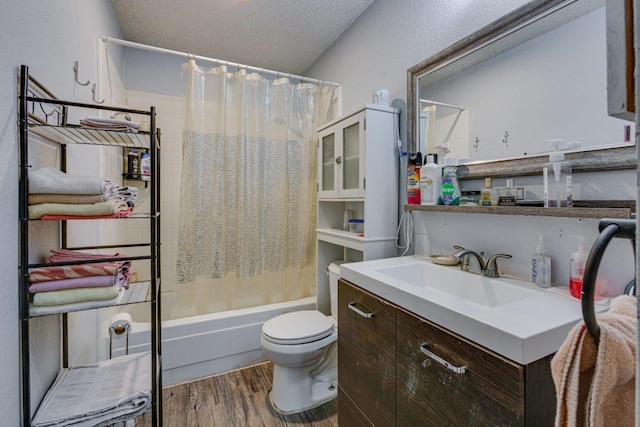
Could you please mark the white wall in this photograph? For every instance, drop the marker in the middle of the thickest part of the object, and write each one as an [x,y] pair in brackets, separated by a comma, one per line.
[48,37]
[392,36]
[376,51]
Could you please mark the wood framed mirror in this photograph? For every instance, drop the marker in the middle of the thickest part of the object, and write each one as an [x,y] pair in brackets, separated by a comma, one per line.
[511,30]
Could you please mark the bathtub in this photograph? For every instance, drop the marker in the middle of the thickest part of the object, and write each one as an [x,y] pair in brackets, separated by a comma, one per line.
[200,346]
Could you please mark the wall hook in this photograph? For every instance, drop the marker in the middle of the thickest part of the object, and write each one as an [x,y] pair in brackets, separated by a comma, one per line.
[93,91]
[476,143]
[75,75]
[505,139]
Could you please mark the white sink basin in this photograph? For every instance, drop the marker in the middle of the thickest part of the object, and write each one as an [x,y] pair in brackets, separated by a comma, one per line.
[511,317]
[474,288]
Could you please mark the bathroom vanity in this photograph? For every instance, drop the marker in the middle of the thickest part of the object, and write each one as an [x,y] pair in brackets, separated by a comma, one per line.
[414,354]
[386,379]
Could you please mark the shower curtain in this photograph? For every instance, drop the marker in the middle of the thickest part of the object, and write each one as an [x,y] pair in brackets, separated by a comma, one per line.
[248,187]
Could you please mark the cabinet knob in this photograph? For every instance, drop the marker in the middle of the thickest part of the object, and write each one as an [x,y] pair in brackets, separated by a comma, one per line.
[352,306]
[455,369]
[339,159]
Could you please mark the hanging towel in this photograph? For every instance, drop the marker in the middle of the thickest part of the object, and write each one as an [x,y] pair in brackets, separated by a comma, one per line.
[595,385]
[98,394]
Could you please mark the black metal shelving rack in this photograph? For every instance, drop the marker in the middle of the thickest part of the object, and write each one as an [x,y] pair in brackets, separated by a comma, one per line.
[54,126]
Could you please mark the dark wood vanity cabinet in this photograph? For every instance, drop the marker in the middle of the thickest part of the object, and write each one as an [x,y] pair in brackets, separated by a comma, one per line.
[366,359]
[462,384]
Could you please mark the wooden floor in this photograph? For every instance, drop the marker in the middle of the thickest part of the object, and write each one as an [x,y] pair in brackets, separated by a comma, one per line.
[237,398]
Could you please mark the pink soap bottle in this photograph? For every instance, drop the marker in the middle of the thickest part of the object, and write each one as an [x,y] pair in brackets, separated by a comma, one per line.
[576,270]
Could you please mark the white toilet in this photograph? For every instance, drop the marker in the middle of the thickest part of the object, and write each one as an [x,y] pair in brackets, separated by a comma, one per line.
[303,348]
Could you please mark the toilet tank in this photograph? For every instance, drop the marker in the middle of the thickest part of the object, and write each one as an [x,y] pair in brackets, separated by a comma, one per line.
[334,274]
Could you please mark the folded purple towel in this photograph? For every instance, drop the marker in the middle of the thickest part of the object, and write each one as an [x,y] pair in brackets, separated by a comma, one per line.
[81,282]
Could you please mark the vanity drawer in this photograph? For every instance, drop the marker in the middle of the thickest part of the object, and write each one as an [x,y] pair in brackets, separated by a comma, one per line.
[366,353]
[349,414]
[491,391]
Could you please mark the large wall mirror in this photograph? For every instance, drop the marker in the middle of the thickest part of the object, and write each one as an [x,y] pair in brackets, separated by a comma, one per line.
[536,74]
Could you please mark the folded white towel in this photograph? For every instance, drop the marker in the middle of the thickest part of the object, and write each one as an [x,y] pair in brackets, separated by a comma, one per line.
[35,310]
[98,394]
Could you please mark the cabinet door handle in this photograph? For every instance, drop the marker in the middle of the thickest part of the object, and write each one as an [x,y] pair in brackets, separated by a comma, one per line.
[440,360]
[352,306]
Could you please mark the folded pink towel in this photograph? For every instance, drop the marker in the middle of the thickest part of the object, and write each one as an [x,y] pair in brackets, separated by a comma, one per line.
[44,274]
[123,213]
[62,255]
[595,386]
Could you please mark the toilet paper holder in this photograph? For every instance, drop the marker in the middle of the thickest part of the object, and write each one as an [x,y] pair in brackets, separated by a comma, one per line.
[119,329]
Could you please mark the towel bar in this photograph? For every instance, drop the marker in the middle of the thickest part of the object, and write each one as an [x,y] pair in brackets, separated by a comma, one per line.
[609,228]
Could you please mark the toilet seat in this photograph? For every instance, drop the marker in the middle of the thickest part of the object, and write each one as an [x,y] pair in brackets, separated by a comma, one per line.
[298,327]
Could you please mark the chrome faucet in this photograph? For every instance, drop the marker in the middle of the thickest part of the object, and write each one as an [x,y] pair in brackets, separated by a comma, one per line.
[491,269]
[488,269]
[465,257]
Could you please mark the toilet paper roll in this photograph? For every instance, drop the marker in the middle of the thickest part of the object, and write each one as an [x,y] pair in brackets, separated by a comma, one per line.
[120,323]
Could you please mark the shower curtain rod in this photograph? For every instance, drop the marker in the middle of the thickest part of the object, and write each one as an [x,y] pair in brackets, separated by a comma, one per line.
[441,104]
[109,39]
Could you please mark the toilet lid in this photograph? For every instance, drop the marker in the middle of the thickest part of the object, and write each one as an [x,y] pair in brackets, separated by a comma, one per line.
[298,327]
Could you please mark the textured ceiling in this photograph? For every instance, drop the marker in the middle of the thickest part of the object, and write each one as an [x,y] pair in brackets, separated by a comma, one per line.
[283,35]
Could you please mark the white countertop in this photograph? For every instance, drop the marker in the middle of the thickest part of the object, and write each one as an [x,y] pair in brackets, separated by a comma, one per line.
[523,331]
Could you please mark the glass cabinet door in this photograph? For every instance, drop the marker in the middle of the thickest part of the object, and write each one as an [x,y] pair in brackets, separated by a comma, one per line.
[328,165]
[351,157]
[352,161]
[341,148]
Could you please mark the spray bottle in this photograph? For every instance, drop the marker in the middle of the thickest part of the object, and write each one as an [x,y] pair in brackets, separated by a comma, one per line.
[413,178]
[557,178]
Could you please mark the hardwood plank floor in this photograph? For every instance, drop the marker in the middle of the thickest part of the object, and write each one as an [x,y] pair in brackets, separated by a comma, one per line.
[237,398]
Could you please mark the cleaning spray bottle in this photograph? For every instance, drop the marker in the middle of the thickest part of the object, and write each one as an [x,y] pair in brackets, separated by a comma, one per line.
[576,269]
[557,178]
[413,178]
[541,266]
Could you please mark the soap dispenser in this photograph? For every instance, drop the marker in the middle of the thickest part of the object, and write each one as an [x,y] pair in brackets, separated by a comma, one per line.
[450,189]
[557,178]
[430,182]
[576,269]
[541,266]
